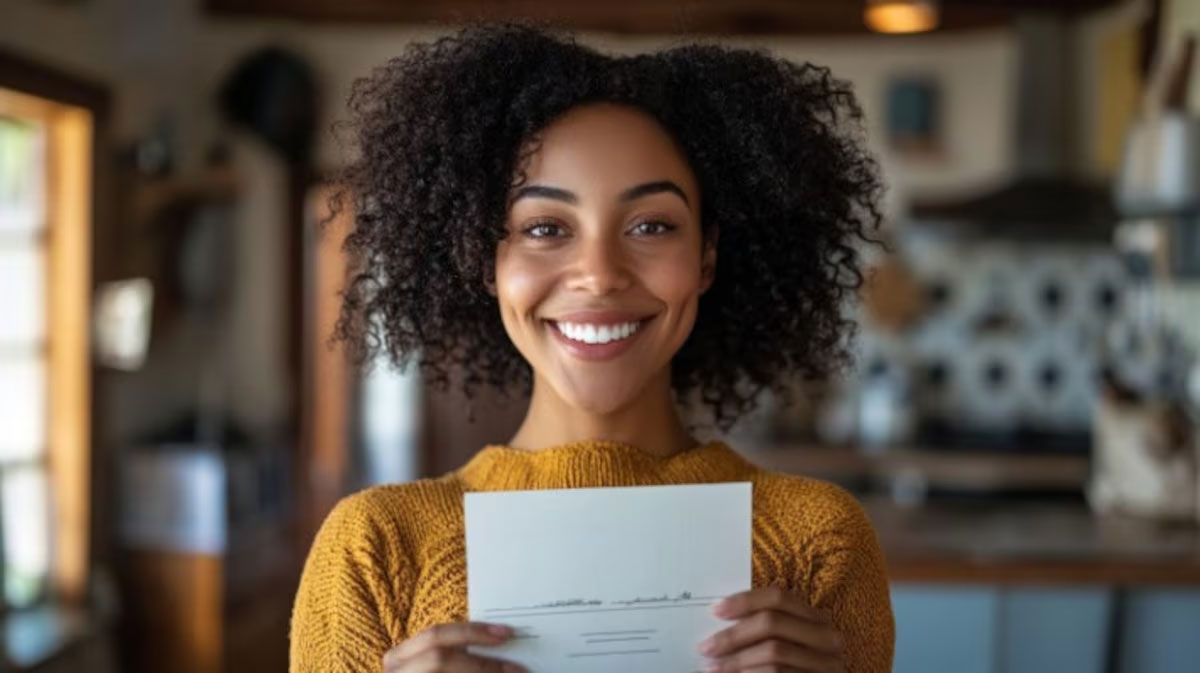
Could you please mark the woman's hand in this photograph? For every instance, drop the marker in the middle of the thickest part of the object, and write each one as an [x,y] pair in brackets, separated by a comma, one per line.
[775,631]
[443,649]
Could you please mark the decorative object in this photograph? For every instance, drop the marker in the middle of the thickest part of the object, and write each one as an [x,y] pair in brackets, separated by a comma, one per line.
[1160,170]
[1145,458]
[122,323]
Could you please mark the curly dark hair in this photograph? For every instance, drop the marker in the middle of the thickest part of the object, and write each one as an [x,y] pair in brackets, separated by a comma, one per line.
[443,133]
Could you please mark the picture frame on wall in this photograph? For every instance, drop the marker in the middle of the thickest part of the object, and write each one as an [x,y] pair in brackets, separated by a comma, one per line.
[913,117]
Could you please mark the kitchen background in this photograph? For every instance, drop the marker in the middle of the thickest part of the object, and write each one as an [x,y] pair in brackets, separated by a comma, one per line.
[1019,420]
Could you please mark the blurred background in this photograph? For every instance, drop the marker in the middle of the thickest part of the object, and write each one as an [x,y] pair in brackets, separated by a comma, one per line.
[1019,418]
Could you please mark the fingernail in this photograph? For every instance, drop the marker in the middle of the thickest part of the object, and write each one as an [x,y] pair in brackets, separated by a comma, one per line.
[706,646]
[499,630]
[721,608]
[713,667]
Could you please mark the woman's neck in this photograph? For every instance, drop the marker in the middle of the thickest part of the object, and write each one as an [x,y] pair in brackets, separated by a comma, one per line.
[650,422]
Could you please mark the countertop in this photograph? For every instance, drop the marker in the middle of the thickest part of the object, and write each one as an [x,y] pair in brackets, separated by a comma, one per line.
[1032,543]
[1016,541]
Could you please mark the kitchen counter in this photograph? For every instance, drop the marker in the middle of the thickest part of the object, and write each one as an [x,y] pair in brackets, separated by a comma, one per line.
[1032,543]
[993,541]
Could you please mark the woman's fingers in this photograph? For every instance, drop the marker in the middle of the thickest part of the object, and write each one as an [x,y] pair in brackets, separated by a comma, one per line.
[741,604]
[457,634]
[446,636]
[777,655]
[450,660]
[774,630]
[768,625]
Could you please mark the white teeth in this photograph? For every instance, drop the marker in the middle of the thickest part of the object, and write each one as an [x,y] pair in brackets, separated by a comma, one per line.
[597,334]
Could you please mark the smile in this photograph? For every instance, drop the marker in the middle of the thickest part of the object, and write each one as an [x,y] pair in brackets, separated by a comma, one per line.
[597,341]
[596,334]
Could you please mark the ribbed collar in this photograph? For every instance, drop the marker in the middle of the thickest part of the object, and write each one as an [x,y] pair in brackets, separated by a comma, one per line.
[597,463]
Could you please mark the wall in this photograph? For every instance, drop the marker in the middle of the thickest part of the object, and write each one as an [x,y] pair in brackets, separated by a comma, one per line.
[164,59]
[1179,18]
[167,57]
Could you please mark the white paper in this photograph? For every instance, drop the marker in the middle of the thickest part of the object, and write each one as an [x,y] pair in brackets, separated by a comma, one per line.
[607,579]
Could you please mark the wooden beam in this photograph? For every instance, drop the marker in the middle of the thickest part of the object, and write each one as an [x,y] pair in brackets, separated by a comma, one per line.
[30,77]
[70,276]
[326,411]
[728,17]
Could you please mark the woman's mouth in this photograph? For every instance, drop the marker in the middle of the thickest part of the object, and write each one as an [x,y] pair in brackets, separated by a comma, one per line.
[597,334]
[596,341]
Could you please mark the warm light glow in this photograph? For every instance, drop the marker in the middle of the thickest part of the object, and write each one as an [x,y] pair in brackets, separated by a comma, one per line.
[901,16]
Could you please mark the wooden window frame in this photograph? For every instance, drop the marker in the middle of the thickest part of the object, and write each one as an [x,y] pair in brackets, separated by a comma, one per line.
[76,114]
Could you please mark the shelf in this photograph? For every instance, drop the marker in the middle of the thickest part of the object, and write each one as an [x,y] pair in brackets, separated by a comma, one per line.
[147,197]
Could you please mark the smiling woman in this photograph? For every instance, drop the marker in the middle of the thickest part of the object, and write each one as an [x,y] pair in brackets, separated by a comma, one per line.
[603,234]
[604,241]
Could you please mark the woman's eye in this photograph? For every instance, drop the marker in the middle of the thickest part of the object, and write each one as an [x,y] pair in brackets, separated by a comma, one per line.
[652,228]
[543,230]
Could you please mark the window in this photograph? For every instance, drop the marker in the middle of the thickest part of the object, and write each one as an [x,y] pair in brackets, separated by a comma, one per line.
[45,192]
[23,353]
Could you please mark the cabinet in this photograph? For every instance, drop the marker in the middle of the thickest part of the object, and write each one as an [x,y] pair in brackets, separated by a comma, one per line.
[1024,629]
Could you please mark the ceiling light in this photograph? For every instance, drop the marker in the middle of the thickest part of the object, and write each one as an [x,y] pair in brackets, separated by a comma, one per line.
[901,16]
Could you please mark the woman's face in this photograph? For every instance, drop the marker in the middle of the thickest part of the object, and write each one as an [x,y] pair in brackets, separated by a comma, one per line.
[599,277]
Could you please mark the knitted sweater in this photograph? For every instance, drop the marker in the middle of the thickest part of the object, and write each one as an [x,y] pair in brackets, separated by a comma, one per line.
[389,561]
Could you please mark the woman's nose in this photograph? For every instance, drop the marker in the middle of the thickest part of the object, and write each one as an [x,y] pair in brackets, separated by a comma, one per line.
[600,266]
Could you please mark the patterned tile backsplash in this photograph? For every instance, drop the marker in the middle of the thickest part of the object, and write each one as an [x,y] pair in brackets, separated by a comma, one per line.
[1013,336]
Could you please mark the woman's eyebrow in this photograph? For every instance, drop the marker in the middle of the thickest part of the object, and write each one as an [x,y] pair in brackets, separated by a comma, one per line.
[635,192]
[544,192]
[648,188]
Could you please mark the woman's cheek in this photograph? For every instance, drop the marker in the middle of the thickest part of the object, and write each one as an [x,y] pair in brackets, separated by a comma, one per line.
[522,283]
[674,277]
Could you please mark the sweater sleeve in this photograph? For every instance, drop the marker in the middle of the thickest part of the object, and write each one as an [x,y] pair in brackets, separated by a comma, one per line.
[346,605]
[849,578]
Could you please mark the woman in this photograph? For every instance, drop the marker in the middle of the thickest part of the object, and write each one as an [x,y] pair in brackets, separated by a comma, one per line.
[604,234]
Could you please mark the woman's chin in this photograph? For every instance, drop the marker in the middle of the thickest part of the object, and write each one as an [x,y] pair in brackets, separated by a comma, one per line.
[600,400]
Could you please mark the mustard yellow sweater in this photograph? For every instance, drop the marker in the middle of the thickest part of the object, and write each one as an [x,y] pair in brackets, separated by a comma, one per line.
[389,561]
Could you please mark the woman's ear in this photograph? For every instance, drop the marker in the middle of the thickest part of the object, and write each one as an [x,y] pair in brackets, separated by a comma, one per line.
[708,261]
[489,280]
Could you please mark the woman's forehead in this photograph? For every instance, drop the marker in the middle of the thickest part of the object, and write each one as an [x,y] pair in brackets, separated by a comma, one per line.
[603,148]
